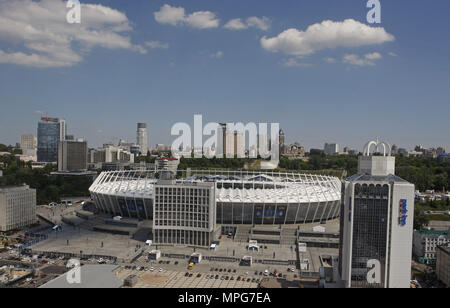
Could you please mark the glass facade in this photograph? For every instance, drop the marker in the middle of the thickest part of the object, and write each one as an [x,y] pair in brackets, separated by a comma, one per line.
[48,140]
[370,225]
[227,213]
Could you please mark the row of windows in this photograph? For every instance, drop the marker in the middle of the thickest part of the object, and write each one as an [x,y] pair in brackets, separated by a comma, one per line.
[181,216]
[365,190]
[181,208]
[176,191]
[181,223]
[184,199]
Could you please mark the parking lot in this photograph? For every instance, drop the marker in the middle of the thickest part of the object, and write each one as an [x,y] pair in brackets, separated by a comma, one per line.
[178,279]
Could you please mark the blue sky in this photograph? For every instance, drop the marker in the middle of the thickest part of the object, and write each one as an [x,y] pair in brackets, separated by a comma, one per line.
[392,83]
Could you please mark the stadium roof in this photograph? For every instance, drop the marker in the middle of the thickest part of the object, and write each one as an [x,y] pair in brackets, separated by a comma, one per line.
[246,187]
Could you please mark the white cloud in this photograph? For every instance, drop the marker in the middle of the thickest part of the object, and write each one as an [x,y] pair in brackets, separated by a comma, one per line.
[45,39]
[170,15]
[330,60]
[373,56]
[156,45]
[217,55]
[326,35]
[393,54]
[235,24]
[202,20]
[368,60]
[262,23]
[293,62]
[177,16]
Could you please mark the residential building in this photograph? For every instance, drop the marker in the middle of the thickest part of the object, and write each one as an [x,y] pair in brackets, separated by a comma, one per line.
[331,148]
[142,138]
[17,207]
[72,155]
[376,224]
[110,154]
[230,143]
[28,145]
[425,244]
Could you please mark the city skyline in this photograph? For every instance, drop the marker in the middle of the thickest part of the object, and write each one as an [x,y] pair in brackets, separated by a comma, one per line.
[160,65]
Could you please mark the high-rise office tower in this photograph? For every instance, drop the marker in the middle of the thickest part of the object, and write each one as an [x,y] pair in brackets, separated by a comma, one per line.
[376,224]
[230,143]
[142,137]
[239,144]
[282,140]
[72,155]
[50,132]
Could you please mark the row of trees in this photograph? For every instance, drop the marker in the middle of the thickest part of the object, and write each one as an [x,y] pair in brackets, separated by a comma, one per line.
[425,173]
[214,163]
[49,188]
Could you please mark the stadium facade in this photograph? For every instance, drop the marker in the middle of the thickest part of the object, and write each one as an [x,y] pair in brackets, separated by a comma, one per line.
[241,197]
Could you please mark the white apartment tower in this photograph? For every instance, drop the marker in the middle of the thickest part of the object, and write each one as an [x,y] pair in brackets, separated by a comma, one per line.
[331,148]
[377,212]
[142,137]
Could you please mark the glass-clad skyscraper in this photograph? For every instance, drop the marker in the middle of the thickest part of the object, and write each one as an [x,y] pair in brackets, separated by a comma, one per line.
[50,132]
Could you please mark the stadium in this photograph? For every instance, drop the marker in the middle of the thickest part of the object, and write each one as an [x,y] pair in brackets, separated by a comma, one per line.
[242,197]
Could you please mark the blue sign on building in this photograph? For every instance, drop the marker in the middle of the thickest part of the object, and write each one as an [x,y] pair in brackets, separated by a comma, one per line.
[403,209]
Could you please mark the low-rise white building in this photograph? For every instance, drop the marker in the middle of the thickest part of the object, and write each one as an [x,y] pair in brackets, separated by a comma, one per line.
[17,207]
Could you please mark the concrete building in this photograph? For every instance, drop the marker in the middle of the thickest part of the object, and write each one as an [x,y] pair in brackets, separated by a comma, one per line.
[142,138]
[72,155]
[92,276]
[167,164]
[230,143]
[184,214]
[443,264]
[425,243]
[376,224]
[50,132]
[331,148]
[110,154]
[28,145]
[17,207]
[282,142]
